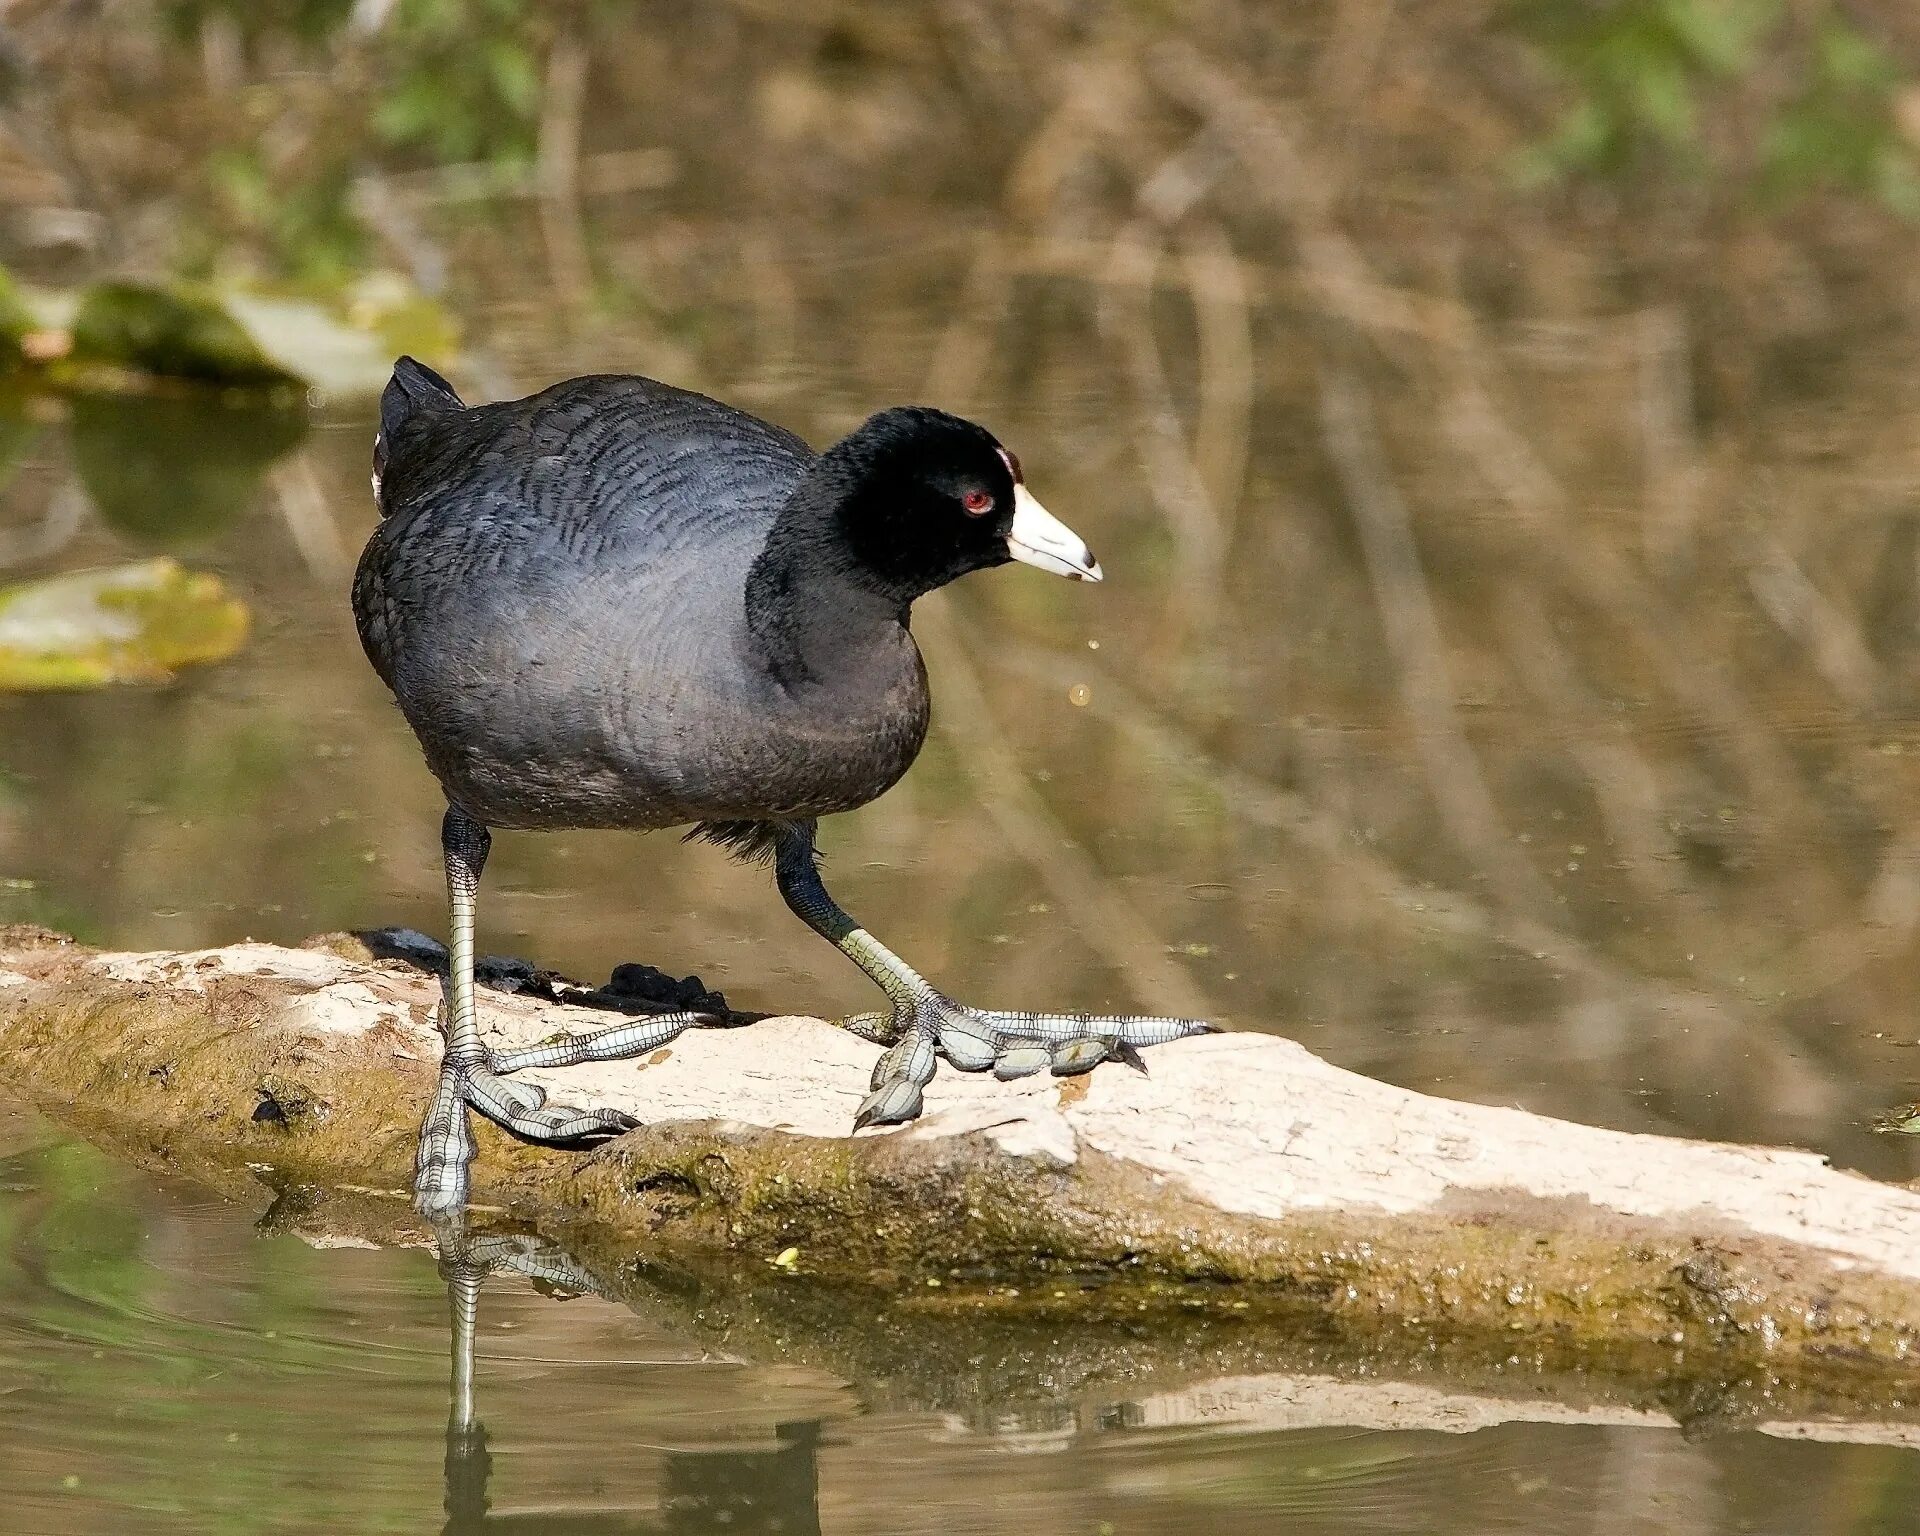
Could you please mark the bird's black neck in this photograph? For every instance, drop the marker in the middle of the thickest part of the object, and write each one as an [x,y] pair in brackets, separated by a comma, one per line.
[812,606]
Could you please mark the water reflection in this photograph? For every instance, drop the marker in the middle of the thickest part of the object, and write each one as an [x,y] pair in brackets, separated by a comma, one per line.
[771,1491]
[176,471]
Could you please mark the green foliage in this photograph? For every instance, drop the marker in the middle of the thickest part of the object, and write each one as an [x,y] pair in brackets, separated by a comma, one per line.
[465,81]
[130,623]
[306,222]
[15,321]
[1645,75]
[176,331]
[443,80]
[1839,130]
[1637,68]
[309,21]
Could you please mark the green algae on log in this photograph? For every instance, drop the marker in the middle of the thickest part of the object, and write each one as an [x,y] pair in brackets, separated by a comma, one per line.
[1241,1177]
[129,623]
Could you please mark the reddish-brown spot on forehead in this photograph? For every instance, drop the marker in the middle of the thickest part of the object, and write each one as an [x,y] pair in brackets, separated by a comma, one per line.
[1012,462]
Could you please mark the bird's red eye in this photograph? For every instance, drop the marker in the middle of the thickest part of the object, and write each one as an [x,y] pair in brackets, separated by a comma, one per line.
[977,503]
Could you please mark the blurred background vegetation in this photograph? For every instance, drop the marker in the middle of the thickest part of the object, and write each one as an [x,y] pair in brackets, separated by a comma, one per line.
[1501,414]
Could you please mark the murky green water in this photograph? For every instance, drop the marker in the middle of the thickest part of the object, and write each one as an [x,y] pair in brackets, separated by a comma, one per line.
[1528,711]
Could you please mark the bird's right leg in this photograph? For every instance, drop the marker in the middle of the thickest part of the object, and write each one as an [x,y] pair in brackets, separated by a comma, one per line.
[470,1074]
[923,1023]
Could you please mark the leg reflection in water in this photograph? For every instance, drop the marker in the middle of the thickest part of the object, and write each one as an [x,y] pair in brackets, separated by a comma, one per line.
[744,1493]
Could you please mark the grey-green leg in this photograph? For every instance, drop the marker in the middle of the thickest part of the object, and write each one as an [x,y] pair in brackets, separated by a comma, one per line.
[922,1024]
[472,1075]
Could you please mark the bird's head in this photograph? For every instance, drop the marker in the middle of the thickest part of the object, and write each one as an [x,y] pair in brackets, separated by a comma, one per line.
[925,497]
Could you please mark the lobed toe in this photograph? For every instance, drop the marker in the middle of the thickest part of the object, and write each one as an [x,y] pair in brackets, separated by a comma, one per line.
[912,1060]
[1021,1061]
[1072,1057]
[969,1046]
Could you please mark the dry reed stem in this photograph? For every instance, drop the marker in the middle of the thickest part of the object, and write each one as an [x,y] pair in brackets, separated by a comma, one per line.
[1627,790]
[1223,421]
[62,518]
[303,506]
[557,171]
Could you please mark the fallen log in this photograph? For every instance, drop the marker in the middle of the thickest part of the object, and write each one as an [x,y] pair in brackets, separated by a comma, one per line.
[1240,1178]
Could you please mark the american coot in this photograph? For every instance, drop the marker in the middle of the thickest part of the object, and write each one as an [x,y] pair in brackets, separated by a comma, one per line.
[620,604]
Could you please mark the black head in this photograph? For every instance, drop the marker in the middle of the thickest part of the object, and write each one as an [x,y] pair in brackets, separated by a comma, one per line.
[923,497]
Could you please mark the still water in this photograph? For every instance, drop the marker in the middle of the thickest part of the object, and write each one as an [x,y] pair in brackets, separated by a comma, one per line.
[1643,854]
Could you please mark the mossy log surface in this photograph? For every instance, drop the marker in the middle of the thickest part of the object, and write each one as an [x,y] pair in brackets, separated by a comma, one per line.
[1296,1215]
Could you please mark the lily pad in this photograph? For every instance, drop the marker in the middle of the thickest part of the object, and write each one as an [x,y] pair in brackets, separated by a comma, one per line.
[173,331]
[312,345]
[227,338]
[129,623]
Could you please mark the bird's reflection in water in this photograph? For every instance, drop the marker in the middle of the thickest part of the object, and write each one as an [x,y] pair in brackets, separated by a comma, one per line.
[758,1492]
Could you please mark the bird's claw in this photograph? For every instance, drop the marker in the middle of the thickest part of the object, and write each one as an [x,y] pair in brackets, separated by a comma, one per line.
[523,1109]
[893,1103]
[1012,1045]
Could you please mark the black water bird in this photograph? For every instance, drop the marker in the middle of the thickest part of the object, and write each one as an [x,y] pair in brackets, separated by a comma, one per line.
[619,604]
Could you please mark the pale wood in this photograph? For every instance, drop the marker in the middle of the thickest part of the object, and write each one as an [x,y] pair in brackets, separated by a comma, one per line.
[1272,1165]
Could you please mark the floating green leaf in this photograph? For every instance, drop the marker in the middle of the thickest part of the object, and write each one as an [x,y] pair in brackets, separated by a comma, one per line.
[308,343]
[130,623]
[173,330]
[235,340]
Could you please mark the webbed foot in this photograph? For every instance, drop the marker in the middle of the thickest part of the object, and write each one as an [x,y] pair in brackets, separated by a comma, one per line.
[1011,1044]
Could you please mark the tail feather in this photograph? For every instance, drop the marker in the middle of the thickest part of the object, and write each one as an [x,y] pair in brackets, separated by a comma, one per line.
[413,388]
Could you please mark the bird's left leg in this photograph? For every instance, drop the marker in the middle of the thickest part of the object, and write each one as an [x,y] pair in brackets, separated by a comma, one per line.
[923,1023]
[472,1074]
